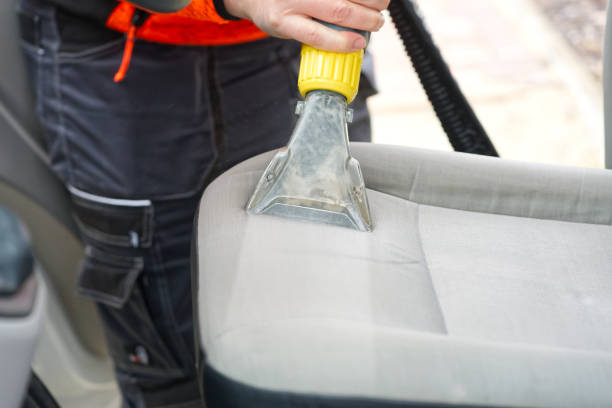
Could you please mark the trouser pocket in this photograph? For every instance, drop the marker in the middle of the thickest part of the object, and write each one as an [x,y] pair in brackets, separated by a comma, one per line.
[114,283]
[117,222]
[115,274]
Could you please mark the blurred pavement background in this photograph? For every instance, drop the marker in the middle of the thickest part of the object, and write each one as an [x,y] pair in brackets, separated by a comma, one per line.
[531,69]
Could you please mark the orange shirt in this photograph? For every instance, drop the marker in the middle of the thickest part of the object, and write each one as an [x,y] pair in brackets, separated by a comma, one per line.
[196,24]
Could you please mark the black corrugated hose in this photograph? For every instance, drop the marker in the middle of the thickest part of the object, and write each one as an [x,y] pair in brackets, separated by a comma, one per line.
[458,120]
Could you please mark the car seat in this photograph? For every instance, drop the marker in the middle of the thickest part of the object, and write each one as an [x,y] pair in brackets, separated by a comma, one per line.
[486,282]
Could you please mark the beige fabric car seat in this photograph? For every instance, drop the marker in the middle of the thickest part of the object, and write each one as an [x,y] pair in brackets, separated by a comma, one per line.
[486,282]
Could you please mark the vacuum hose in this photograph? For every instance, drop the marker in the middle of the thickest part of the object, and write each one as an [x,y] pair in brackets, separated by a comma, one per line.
[456,116]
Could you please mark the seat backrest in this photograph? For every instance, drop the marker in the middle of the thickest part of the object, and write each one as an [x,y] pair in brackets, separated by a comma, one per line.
[30,189]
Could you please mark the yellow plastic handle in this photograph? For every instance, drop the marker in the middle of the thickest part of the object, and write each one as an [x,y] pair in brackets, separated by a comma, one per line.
[332,71]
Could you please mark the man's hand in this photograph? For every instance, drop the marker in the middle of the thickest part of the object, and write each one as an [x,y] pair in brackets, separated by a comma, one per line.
[294,19]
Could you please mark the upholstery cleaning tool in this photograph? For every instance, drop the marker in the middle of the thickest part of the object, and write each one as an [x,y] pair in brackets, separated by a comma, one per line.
[315,178]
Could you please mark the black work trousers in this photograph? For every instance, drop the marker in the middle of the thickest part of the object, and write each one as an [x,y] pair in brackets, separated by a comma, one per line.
[136,157]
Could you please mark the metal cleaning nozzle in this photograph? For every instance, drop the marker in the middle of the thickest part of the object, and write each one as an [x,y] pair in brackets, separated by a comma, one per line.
[315,178]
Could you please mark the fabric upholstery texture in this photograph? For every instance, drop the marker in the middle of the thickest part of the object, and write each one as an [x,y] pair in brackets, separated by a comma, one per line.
[484,282]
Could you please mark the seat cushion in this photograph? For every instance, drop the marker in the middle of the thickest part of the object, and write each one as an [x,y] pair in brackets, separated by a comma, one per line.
[485,282]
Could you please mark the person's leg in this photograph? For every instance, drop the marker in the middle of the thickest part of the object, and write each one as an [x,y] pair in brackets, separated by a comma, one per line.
[135,156]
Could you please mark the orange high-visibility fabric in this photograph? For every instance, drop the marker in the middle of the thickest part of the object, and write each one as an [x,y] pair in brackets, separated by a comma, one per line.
[196,24]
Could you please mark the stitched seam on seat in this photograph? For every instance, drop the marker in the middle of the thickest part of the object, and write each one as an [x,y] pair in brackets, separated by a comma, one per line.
[500,213]
[427,268]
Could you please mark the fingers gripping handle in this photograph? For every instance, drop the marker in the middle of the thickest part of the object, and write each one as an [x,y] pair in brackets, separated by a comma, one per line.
[332,71]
